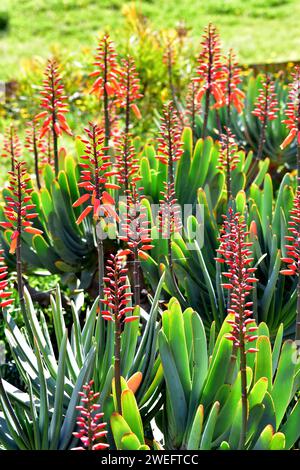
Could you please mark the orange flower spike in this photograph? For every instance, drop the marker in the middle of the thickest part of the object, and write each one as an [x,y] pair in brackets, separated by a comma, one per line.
[19,207]
[95,174]
[54,102]
[292,120]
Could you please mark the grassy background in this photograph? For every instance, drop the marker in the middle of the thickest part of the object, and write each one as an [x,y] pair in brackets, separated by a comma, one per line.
[259,30]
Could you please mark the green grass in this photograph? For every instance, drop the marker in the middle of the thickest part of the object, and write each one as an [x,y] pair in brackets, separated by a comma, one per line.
[260,30]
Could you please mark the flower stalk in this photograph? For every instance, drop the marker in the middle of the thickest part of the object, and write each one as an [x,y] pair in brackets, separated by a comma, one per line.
[169,152]
[106,84]
[54,102]
[265,109]
[19,215]
[94,181]
[117,299]
[209,72]
[234,252]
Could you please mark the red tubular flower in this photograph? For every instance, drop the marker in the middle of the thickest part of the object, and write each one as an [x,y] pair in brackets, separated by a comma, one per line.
[293,247]
[91,429]
[170,144]
[96,169]
[235,252]
[117,301]
[116,291]
[135,226]
[126,162]
[54,103]
[19,207]
[292,120]
[266,105]
[230,81]
[5,299]
[210,71]
[136,234]
[106,84]
[107,68]
[228,157]
[129,89]
[11,146]
[266,108]
[293,253]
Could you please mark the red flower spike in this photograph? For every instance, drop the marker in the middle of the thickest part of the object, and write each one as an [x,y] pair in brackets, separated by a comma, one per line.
[91,429]
[232,95]
[266,105]
[11,146]
[129,86]
[292,120]
[19,208]
[210,70]
[96,169]
[117,299]
[5,299]
[170,144]
[126,162]
[293,247]
[107,71]
[135,227]
[234,249]
[54,102]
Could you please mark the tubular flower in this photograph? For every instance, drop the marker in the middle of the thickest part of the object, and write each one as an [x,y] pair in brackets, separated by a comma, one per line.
[135,232]
[94,175]
[19,207]
[170,144]
[169,215]
[5,299]
[126,161]
[235,253]
[266,105]
[229,82]
[116,291]
[91,429]
[210,70]
[292,120]
[293,247]
[107,71]
[135,225]
[11,146]
[129,87]
[53,102]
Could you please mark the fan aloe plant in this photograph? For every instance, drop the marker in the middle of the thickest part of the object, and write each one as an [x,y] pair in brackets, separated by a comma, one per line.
[203,404]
